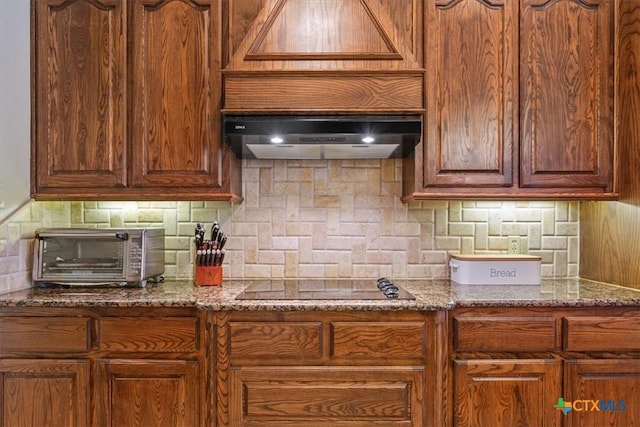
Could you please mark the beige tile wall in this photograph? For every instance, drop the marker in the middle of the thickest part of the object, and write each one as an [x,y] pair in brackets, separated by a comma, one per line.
[319,219]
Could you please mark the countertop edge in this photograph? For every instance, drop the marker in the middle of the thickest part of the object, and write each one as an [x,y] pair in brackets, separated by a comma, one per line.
[430,294]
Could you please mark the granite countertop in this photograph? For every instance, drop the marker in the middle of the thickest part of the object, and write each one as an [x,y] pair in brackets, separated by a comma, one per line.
[430,295]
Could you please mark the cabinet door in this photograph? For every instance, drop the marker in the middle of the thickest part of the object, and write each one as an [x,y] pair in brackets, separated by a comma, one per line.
[566,63]
[148,393]
[471,93]
[175,129]
[78,98]
[44,393]
[326,395]
[506,393]
[602,392]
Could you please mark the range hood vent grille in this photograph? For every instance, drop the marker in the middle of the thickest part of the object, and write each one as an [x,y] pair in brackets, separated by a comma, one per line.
[322,137]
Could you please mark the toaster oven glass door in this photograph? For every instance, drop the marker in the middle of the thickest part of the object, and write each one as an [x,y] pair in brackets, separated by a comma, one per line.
[100,257]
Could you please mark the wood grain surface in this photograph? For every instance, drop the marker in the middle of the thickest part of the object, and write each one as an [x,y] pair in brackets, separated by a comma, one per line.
[610,232]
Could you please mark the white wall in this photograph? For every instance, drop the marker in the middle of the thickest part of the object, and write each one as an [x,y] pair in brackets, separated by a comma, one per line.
[14,105]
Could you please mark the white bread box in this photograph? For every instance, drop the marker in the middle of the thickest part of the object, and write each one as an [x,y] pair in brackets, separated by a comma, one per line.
[495,269]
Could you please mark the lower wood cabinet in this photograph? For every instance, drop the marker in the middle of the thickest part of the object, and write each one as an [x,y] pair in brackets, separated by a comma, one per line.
[102,367]
[511,392]
[327,395]
[44,392]
[544,367]
[329,369]
[161,393]
[603,392]
[183,367]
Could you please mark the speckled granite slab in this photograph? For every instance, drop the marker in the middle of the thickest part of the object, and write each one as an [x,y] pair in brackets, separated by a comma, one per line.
[430,295]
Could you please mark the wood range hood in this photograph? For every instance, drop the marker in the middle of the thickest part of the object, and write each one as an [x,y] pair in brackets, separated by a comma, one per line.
[309,57]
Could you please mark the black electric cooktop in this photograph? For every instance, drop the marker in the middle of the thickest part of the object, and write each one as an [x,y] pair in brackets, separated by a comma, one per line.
[324,289]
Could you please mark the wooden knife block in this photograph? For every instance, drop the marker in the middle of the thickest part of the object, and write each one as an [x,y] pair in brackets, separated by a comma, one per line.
[208,275]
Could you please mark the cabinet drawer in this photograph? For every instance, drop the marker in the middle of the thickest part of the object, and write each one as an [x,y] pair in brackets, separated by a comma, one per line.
[276,339]
[167,334]
[600,333]
[504,333]
[45,334]
[378,339]
[320,396]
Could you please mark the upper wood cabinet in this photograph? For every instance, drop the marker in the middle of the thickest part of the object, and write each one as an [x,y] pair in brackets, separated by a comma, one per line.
[519,101]
[127,101]
[324,56]
[567,96]
[471,52]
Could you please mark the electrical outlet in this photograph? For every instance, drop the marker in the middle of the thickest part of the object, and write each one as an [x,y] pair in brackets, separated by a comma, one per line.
[514,245]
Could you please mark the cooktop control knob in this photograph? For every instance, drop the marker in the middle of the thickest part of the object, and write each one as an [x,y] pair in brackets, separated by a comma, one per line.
[387,287]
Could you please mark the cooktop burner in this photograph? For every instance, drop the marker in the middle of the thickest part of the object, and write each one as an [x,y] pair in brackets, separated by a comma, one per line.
[324,289]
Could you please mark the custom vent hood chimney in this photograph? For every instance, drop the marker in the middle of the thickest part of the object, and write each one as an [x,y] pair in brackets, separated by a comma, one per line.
[322,137]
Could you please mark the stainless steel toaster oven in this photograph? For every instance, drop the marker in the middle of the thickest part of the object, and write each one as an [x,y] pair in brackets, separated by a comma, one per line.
[98,256]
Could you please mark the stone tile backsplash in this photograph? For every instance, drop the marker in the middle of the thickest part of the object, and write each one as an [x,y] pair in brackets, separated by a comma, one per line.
[318,219]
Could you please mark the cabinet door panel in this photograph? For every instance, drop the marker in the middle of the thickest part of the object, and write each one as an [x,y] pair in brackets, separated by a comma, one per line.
[280,340]
[148,393]
[321,396]
[506,392]
[601,333]
[378,340]
[566,93]
[175,86]
[487,333]
[141,334]
[45,334]
[471,92]
[615,384]
[79,102]
[44,393]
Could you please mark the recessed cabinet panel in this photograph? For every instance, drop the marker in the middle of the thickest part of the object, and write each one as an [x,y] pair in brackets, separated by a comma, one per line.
[566,93]
[141,393]
[45,334]
[44,392]
[297,340]
[471,92]
[504,333]
[321,396]
[516,392]
[614,386]
[175,128]
[378,339]
[602,333]
[79,93]
[135,334]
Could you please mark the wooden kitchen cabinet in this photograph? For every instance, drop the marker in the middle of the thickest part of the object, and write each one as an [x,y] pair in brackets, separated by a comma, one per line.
[126,102]
[102,367]
[509,366]
[567,94]
[506,392]
[471,94]
[44,392]
[315,368]
[522,106]
[613,383]
[148,393]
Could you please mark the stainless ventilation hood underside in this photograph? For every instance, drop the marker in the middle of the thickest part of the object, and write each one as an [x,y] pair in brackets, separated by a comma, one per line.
[322,137]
